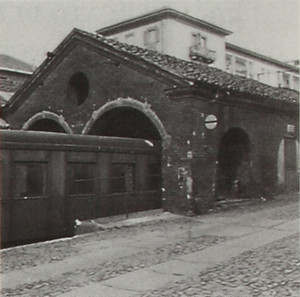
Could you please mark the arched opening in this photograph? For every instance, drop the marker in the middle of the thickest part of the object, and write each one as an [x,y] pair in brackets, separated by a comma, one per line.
[125,122]
[47,121]
[139,182]
[234,176]
[46,125]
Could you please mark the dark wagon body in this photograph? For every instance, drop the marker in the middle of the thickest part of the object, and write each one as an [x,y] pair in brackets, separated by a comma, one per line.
[48,180]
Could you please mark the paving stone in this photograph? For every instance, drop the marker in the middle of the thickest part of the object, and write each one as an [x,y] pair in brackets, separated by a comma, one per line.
[142,280]
[179,268]
[96,290]
[271,282]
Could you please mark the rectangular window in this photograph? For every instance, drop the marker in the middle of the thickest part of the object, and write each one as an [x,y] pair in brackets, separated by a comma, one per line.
[285,80]
[196,39]
[296,83]
[251,74]
[123,178]
[241,67]
[261,75]
[229,64]
[151,38]
[199,40]
[30,180]
[82,179]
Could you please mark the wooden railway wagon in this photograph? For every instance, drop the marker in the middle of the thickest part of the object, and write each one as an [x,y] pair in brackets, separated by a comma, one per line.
[48,180]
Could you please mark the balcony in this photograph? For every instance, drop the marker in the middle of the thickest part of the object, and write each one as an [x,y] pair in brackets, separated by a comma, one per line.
[241,72]
[202,54]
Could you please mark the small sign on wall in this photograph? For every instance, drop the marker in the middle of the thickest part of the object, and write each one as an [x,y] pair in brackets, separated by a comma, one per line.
[290,128]
[211,121]
[189,155]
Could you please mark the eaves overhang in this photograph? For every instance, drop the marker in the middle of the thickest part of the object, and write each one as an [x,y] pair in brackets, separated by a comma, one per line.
[159,15]
[15,71]
[216,95]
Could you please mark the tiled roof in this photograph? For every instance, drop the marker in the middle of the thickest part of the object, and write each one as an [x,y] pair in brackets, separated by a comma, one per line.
[5,96]
[9,85]
[9,62]
[196,72]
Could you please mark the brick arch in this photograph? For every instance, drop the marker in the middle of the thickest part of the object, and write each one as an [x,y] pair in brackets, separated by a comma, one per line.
[145,108]
[50,116]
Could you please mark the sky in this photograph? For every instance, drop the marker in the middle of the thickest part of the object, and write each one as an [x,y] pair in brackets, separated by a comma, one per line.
[31,28]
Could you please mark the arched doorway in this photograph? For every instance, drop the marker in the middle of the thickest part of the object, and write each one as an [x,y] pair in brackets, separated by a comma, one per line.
[131,119]
[132,123]
[234,176]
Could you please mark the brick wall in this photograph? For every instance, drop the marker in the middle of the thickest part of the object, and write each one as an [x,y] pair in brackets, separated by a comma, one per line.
[10,81]
[189,164]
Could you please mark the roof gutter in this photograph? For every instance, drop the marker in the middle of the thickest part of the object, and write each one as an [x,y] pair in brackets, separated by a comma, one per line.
[15,71]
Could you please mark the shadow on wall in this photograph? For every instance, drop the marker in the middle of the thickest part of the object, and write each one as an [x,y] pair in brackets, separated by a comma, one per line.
[234,173]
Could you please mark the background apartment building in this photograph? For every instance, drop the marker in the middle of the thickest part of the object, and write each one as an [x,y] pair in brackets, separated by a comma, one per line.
[177,34]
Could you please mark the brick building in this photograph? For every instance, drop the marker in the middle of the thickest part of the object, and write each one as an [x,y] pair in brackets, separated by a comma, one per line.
[13,73]
[221,135]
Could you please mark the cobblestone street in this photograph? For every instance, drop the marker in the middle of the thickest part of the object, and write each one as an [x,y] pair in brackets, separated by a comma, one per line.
[269,271]
[99,264]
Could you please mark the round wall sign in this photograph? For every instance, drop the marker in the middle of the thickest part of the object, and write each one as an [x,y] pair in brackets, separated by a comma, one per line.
[211,121]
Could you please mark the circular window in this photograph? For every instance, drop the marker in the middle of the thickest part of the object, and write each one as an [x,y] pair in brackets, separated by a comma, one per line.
[78,88]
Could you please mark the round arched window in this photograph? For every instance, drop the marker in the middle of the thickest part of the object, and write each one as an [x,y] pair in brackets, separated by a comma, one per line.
[78,88]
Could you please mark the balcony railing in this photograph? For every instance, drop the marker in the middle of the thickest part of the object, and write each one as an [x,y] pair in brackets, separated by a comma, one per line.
[202,54]
[241,72]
